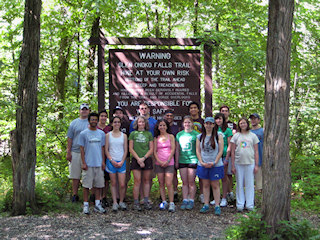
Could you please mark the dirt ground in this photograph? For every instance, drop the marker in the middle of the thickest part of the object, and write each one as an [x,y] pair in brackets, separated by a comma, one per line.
[153,224]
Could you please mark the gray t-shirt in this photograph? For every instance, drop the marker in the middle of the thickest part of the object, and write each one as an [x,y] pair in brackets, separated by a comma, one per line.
[75,128]
[208,154]
[92,141]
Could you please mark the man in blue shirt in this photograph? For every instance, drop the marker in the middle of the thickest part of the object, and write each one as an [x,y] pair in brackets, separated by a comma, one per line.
[92,141]
[144,110]
[258,130]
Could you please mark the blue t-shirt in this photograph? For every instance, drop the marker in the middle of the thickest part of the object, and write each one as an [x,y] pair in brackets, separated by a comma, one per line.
[260,134]
[75,128]
[152,124]
[92,141]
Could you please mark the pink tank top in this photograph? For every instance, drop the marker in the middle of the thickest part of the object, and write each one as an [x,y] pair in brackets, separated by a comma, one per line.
[164,150]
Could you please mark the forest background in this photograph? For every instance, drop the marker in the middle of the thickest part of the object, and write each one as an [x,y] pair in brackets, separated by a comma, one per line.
[68,73]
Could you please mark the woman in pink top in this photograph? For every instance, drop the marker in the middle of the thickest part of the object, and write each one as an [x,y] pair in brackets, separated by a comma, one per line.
[164,149]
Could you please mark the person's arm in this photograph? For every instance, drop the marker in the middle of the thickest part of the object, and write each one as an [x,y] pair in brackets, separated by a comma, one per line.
[106,147]
[125,150]
[69,145]
[150,152]
[132,151]
[256,158]
[84,165]
[198,152]
[155,153]
[233,148]
[103,163]
[228,150]
[220,153]
[177,154]
[173,147]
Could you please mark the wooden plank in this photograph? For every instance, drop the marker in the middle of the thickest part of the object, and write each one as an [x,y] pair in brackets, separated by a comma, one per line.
[208,80]
[146,41]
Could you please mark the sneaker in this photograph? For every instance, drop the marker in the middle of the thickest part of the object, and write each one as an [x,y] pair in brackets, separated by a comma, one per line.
[147,206]
[201,198]
[240,210]
[213,202]
[115,207]
[172,207]
[217,211]
[163,205]
[123,206]
[184,205]
[99,209]
[75,198]
[250,209]
[223,202]
[190,205]
[142,201]
[175,197]
[136,207]
[86,209]
[204,209]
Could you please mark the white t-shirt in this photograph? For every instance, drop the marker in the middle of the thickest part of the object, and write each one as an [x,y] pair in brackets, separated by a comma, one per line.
[244,152]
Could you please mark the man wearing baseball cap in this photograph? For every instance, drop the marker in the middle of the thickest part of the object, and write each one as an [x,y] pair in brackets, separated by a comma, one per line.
[73,148]
[258,130]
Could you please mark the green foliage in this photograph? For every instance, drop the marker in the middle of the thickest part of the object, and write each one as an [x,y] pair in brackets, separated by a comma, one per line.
[306,182]
[295,230]
[252,227]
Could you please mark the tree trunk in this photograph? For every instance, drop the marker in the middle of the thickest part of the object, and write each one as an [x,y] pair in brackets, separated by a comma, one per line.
[24,136]
[195,21]
[276,165]
[92,54]
[64,52]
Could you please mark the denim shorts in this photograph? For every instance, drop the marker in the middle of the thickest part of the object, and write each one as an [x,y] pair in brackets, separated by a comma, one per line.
[111,169]
[214,173]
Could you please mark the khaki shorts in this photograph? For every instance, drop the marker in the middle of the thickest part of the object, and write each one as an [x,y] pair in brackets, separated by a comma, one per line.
[75,166]
[93,177]
[258,178]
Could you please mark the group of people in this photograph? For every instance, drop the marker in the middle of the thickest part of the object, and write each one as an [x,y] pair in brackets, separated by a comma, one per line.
[211,149]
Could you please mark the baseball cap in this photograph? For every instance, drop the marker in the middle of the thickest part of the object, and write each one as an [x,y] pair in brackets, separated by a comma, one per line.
[117,108]
[256,115]
[84,105]
[209,119]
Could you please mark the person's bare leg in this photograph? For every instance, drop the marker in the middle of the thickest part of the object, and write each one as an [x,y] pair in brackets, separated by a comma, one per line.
[162,186]
[75,186]
[169,184]
[136,184]
[216,191]
[113,177]
[185,185]
[122,185]
[191,182]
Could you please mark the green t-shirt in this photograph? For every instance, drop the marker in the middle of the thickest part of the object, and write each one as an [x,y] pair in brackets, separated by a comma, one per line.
[141,142]
[225,134]
[187,146]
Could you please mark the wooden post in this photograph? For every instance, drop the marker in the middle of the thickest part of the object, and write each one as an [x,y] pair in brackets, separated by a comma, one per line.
[208,80]
[101,74]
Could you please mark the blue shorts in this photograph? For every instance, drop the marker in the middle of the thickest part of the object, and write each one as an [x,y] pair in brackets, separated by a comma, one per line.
[214,173]
[111,169]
